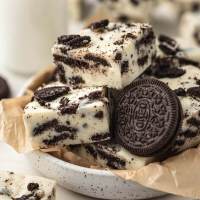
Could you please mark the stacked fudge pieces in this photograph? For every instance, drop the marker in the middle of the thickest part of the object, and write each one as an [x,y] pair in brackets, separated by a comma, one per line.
[18,187]
[182,74]
[75,109]
[118,98]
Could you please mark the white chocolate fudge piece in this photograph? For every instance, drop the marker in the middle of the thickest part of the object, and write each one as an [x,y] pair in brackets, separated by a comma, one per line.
[181,75]
[106,54]
[133,10]
[19,187]
[111,155]
[188,5]
[60,116]
[190,29]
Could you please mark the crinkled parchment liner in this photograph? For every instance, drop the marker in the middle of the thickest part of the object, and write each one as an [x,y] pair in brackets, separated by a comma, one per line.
[178,175]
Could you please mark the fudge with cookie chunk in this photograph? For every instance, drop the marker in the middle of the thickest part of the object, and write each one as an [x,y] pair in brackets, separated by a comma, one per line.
[20,187]
[182,75]
[110,155]
[59,115]
[105,54]
[133,10]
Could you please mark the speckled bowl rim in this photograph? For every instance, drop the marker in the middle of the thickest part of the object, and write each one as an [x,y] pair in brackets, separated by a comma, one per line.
[62,162]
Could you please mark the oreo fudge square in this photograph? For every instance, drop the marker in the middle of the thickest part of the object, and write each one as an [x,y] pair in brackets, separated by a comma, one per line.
[183,76]
[59,116]
[111,155]
[105,54]
[19,187]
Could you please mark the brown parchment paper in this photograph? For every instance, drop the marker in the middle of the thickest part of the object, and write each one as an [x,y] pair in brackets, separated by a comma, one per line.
[178,175]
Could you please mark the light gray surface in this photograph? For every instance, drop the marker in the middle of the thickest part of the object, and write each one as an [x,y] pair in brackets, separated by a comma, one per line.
[10,160]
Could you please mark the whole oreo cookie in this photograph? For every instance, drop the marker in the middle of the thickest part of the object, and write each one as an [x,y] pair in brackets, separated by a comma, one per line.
[4,89]
[147,117]
[51,93]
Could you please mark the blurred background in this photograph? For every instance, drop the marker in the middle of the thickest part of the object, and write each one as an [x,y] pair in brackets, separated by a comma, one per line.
[29,28]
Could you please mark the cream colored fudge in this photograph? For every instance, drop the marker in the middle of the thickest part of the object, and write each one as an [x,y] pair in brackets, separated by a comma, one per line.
[19,187]
[105,54]
[59,116]
[129,10]
[183,76]
[111,155]
[190,29]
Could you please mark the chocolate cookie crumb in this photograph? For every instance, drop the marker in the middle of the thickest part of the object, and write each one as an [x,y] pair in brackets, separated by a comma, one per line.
[118,56]
[124,67]
[64,39]
[190,134]
[45,126]
[100,25]
[194,91]
[99,136]
[95,95]
[98,60]
[193,121]
[99,115]
[59,138]
[197,35]
[32,186]
[51,93]
[168,45]
[69,109]
[141,61]
[63,128]
[135,2]
[180,92]
[79,42]
[76,63]
[61,73]
[75,80]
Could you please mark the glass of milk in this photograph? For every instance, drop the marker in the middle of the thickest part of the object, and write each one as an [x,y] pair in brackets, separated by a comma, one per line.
[28,29]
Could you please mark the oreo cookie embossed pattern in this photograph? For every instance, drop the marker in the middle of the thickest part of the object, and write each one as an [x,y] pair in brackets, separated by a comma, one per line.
[147,117]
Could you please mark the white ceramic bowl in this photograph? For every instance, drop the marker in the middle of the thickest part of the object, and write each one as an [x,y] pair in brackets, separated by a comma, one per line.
[90,182]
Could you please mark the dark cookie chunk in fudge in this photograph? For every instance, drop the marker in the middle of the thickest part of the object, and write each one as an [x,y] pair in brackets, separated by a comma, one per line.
[76,80]
[95,95]
[118,56]
[141,61]
[76,63]
[51,93]
[59,138]
[197,35]
[74,41]
[96,59]
[166,67]
[100,25]
[180,92]
[124,67]
[99,114]
[100,136]
[79,42]
[194,91]
[147,117]
[64,39]
[68,109]
[45,126]
[32,186]
[168,45]
[59,74]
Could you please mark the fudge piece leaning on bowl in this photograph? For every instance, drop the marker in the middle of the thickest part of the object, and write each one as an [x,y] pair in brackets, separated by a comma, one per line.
[19,187]
[105,54]
[182,75]
[59,116]
[111,155]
